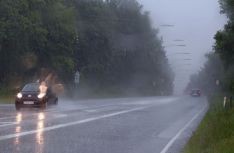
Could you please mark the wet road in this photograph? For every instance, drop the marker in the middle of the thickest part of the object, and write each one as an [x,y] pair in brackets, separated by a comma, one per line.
[126,125]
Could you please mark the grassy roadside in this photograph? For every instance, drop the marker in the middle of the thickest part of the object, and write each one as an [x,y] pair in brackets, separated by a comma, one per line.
[6,99]
[6,96]
[215,134]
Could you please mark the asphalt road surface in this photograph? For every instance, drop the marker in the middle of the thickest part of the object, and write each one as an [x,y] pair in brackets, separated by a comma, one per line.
[125,125]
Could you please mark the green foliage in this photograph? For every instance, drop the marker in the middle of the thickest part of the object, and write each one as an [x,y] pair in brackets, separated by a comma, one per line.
[112,44]
[215,133]
[224,45]
[224,49]
[33,32]
[227,7]
[206,79]
[119,48]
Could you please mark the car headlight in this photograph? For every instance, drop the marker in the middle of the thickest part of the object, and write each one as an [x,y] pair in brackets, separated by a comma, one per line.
[19,95]
[41,95]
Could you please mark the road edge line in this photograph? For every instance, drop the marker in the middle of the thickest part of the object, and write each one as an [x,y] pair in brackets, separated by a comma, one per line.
[171,142]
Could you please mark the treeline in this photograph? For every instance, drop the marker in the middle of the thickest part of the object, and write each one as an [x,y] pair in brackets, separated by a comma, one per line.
[111,43]
[218,72]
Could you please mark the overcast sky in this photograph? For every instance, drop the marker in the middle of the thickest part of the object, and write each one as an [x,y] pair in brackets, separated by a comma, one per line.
[195,22]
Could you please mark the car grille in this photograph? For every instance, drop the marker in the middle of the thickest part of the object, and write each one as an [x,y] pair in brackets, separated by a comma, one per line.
[29,96]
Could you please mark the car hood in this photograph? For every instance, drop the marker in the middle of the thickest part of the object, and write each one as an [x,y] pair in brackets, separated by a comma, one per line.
[29,92]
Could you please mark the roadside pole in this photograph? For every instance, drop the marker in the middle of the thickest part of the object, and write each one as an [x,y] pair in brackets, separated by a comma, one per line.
[224,101]
[77,79]
[230,101]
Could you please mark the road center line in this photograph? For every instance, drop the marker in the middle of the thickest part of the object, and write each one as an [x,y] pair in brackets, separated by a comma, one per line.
[52,110]
[7,122]
[4,125]
[69,124]
[171,142]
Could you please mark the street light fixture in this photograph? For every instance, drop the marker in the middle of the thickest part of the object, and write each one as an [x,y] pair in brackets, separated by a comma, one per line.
[180,53]
[188,59]
[167,25]
[175,45]
[181,65]
[183,53]
[178,40]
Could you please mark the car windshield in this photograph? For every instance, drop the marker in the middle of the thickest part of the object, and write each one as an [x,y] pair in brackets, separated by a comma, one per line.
[31,87]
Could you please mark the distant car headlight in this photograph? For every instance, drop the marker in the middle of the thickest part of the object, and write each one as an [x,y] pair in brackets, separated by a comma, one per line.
[41,95]
[19,95]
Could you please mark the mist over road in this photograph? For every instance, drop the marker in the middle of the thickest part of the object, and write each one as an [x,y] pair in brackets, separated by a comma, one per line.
[123,125]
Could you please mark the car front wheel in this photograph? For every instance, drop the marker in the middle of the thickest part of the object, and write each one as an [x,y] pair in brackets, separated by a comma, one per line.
[17,107]
[43,106]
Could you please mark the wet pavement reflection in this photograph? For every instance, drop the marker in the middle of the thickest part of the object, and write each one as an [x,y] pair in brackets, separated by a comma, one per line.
[39,136]
[17,131]
[40,132]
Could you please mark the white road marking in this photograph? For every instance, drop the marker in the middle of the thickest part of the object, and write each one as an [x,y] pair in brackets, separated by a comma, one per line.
[59,115]
[33,114]
[171,142]
[170,131]
[95,108]
[91,110]
[152,101]
[53,110]
[50,110]
[6,122]
[55,116]
[4,125]
[69,124]
[10,117]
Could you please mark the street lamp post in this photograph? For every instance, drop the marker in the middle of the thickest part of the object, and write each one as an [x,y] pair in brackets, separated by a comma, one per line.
[179,53]
[77,79]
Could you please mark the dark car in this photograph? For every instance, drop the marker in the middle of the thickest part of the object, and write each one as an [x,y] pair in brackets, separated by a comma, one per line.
[32,96]
[195,92]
